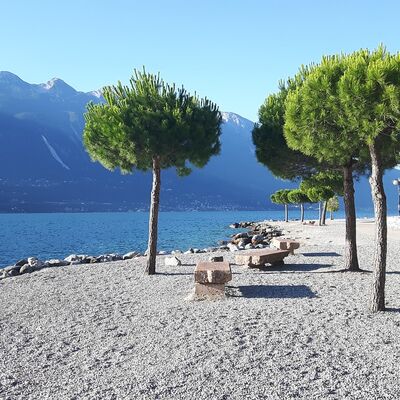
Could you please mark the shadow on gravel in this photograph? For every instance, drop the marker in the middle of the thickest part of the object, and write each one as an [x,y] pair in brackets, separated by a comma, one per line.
[295,268]
[273,292]
[174,273]
[327,254]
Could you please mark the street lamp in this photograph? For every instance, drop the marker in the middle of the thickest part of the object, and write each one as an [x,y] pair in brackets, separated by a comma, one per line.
[396,182]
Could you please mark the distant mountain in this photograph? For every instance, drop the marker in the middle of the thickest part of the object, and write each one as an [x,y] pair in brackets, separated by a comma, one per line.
[44,167]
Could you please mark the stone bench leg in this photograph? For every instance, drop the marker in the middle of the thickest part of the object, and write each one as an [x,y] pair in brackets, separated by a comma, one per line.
[209,289]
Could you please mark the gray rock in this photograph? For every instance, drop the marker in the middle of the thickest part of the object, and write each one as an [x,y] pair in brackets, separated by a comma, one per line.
[22,262]
[72,257]
[256,239]
[55,262]
[26,269]
[35,263]
[172,261]
[190,251]
[232,247]
[241,235]
[216,258]
[130,255]
[12,270]
[104,258]
[75,262]
[248,246]
[176,252]
[162,253]
[116,257]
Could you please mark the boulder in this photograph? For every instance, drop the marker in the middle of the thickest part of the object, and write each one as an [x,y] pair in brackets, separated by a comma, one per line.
[26,269]
[190,251]
[248,246]
[232,247]
[35,263]
[197,251]
[172,261]
[241,235]
[55,262]
[116,257]
[130,255]
[72,257]
[162,253]
[256,239]
[176,252]
[235,225]
[21,263]
[104,258]
[12,270]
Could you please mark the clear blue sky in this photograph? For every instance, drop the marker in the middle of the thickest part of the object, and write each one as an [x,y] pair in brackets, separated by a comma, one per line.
[232,51]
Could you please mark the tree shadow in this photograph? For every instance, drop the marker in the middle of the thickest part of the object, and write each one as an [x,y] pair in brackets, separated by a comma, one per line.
[325,254]
[174,273]
[294,268]
[271,292]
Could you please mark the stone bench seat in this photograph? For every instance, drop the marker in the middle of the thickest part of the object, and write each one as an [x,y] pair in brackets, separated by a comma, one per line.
[285,244]
[210,278]
[258,258]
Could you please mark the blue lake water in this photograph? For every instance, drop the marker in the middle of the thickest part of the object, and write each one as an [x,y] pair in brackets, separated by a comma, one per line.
[60,234]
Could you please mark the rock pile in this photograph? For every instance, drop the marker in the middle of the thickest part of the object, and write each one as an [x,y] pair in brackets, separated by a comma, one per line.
[31,264]
[258,236]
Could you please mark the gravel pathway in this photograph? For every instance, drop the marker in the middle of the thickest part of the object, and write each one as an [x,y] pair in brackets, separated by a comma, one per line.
[303,331]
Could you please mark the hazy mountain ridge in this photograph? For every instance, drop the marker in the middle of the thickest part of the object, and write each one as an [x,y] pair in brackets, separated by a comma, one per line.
[44,167]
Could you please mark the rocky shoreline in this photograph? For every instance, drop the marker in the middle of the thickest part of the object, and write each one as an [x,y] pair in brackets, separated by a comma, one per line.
[258,235]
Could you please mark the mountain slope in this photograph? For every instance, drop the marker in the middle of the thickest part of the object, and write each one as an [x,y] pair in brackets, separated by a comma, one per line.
[44,167]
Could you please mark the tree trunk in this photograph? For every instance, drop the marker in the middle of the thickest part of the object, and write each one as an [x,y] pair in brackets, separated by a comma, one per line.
[379,199]
[323,219]
[319,213]
[286,213]
[350,251]
[301,212]
[153,220]
[331,215]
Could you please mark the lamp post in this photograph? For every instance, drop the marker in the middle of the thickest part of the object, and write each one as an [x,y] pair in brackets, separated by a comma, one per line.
[396,182]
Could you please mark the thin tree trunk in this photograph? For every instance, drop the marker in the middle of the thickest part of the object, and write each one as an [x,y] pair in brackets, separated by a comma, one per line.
[301,212]
[350,251]
[379,199]
[324,212]
[286,213]
[319,214]
[153,220]
[331,213]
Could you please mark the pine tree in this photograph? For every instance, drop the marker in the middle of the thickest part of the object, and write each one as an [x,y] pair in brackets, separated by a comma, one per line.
[151,125]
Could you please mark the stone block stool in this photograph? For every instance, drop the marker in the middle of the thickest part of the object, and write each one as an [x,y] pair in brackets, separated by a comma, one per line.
[210,279]
[285,244]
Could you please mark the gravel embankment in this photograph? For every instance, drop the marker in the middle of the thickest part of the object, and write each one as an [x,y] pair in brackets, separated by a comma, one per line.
[107,331]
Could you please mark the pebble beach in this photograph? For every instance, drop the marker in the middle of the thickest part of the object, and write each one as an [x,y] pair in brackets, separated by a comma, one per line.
[300,331]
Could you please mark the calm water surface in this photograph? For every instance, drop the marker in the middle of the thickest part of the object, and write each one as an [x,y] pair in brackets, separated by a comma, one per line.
[58,235]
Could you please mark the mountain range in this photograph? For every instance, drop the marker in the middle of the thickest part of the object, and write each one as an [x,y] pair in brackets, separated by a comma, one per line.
[45,168]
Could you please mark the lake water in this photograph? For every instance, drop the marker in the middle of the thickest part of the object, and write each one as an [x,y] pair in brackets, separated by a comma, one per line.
[57,235]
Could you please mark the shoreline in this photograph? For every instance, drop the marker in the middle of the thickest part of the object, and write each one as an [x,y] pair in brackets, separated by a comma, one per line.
[279,225]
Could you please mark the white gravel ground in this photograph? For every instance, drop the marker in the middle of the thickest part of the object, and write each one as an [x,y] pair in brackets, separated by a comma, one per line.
[107,331]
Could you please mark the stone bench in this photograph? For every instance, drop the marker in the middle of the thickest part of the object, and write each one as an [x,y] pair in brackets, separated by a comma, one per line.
[210,278]
[285,244]
[258,258]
